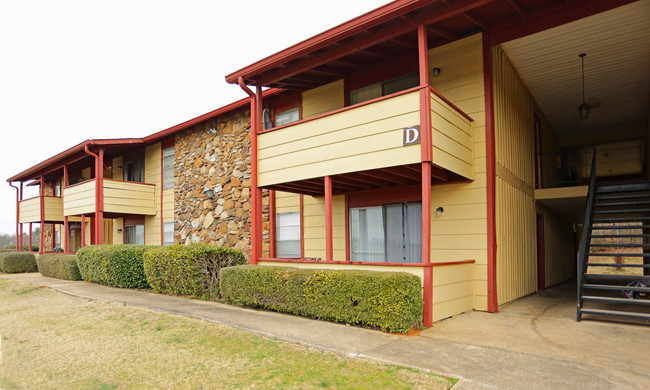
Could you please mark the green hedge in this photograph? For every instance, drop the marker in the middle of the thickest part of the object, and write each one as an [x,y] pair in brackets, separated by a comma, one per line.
[391,301]
[58,266]
[113,265]
[191,270]
[15,262]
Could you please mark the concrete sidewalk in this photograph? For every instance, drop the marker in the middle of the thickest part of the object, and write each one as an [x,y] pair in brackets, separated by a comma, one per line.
[533,343]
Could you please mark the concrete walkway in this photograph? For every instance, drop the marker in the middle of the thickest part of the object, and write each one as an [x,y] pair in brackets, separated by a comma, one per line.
[534,343]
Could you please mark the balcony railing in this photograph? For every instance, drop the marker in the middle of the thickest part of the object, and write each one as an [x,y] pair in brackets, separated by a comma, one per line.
[29,210]
[365,136]
[120,197]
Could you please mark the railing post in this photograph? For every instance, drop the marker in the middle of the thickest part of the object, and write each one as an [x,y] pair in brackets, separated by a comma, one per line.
[586,228]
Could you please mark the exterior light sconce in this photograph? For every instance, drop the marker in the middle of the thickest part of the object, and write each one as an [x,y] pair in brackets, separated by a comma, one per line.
[439,211]
[208,192]
[436,72]
[119,230]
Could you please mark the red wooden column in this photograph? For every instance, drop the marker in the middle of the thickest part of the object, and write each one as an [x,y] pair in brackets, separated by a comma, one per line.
[66,233]
[329,247]
[30,237]
[272,241]
[426,151]
[83,230]
[258,191]
[41,248]
[21,225]
[99,205]
[302,227]
[493,305]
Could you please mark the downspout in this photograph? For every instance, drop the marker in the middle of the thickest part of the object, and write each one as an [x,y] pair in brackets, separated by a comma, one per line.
[41,244]
[17,214]
[255,244]
[99,239]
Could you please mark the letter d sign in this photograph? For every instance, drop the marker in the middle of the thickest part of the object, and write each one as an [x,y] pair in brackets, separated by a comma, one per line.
[411,135]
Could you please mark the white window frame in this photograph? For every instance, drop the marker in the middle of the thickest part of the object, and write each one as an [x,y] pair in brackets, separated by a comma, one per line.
[168,169]
[168,233]
[287,234]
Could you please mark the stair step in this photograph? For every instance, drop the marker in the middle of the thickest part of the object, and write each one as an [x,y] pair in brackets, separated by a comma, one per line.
[618,265]
[619,254]
[620,219]
[614,287]
[616,204]
[618,197]
[622,211]
[613,313]
[620,227]
[617,277]
[619,246]
[610,188]
[625,301]
[619,235]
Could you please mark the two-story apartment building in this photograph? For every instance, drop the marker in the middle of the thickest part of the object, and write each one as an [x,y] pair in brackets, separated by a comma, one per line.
[452,140]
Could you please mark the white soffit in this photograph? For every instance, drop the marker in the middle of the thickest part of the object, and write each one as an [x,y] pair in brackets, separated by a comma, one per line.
[617,69]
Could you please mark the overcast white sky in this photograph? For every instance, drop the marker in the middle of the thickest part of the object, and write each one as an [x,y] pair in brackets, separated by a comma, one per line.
[72,70]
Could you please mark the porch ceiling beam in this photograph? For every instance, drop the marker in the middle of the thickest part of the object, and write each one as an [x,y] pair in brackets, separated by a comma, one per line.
[390,177]
[368,179]
[301,185]
[401,171]
[442,33]
[439,173]
[351,183]
[517,7]
[383,34]
[406,43]
[285,188]
[477,20]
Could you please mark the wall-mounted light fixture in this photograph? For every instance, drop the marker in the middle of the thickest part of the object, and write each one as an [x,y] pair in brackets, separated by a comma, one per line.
[439,211]
[208,192]
[436,72]
[119,230]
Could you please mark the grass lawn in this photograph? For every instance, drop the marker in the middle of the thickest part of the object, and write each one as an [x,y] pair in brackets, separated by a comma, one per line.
[53,341]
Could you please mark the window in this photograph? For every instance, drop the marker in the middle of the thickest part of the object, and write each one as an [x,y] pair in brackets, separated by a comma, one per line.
[134,171]
[134,234]
[168,168]
[389,233]
[57,188]
[168,233]
[286,117]
[287,229]
[57,238]
[384,88]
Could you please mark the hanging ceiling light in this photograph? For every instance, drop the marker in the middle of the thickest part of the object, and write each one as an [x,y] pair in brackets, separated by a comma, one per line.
[584,108]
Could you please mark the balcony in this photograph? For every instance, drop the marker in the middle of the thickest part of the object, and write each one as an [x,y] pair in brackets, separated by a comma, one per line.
[120,197]
[365,137]
[29,210]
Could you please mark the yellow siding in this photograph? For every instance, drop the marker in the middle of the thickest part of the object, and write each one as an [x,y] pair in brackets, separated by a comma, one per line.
[453,290]
[29,210]
[515,164]
[129,198]
[323,99]
[79,199]
[314,227]
[153,175]
[451,136]
[168,205]
[560,245]
[286,202]
[363,138]
[85,173]
[53,208]
[118,168]
[460,233]
[118,237]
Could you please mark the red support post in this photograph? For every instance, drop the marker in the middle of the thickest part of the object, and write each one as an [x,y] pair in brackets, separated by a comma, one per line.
[272,239]
[260,208]
[492,304]
[329,247]
[427,292]
[425,96]
[302,227]
[41,245]
[347,227]
[99,214]
[17,214]
[66,230]
[255,194]
[21,225]
[30,237]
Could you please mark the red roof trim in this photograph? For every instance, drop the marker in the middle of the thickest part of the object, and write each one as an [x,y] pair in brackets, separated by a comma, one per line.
[210,115]
[351,27]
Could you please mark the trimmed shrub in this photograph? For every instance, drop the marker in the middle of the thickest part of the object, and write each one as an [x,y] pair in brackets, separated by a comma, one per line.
[16,262]
[191,270]
[113,265]
[391,301]
[58,266]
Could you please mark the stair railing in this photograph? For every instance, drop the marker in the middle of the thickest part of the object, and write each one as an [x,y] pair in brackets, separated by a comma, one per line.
[586,229]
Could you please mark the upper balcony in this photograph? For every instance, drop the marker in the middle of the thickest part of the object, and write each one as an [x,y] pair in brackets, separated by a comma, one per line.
[120,197]
[366,137]
[29,210]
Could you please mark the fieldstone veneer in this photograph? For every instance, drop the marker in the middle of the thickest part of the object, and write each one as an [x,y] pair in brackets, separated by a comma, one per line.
[215,153]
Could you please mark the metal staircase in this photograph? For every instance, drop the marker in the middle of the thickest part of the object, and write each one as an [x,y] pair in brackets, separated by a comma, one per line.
[613,250]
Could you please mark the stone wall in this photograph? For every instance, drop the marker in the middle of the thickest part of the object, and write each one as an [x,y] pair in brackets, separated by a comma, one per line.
[48,229]
[215,153]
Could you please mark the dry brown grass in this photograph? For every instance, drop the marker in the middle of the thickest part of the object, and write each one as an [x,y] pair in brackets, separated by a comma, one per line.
[54,341]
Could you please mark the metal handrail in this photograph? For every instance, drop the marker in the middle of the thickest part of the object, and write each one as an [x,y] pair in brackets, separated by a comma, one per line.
[582,253]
